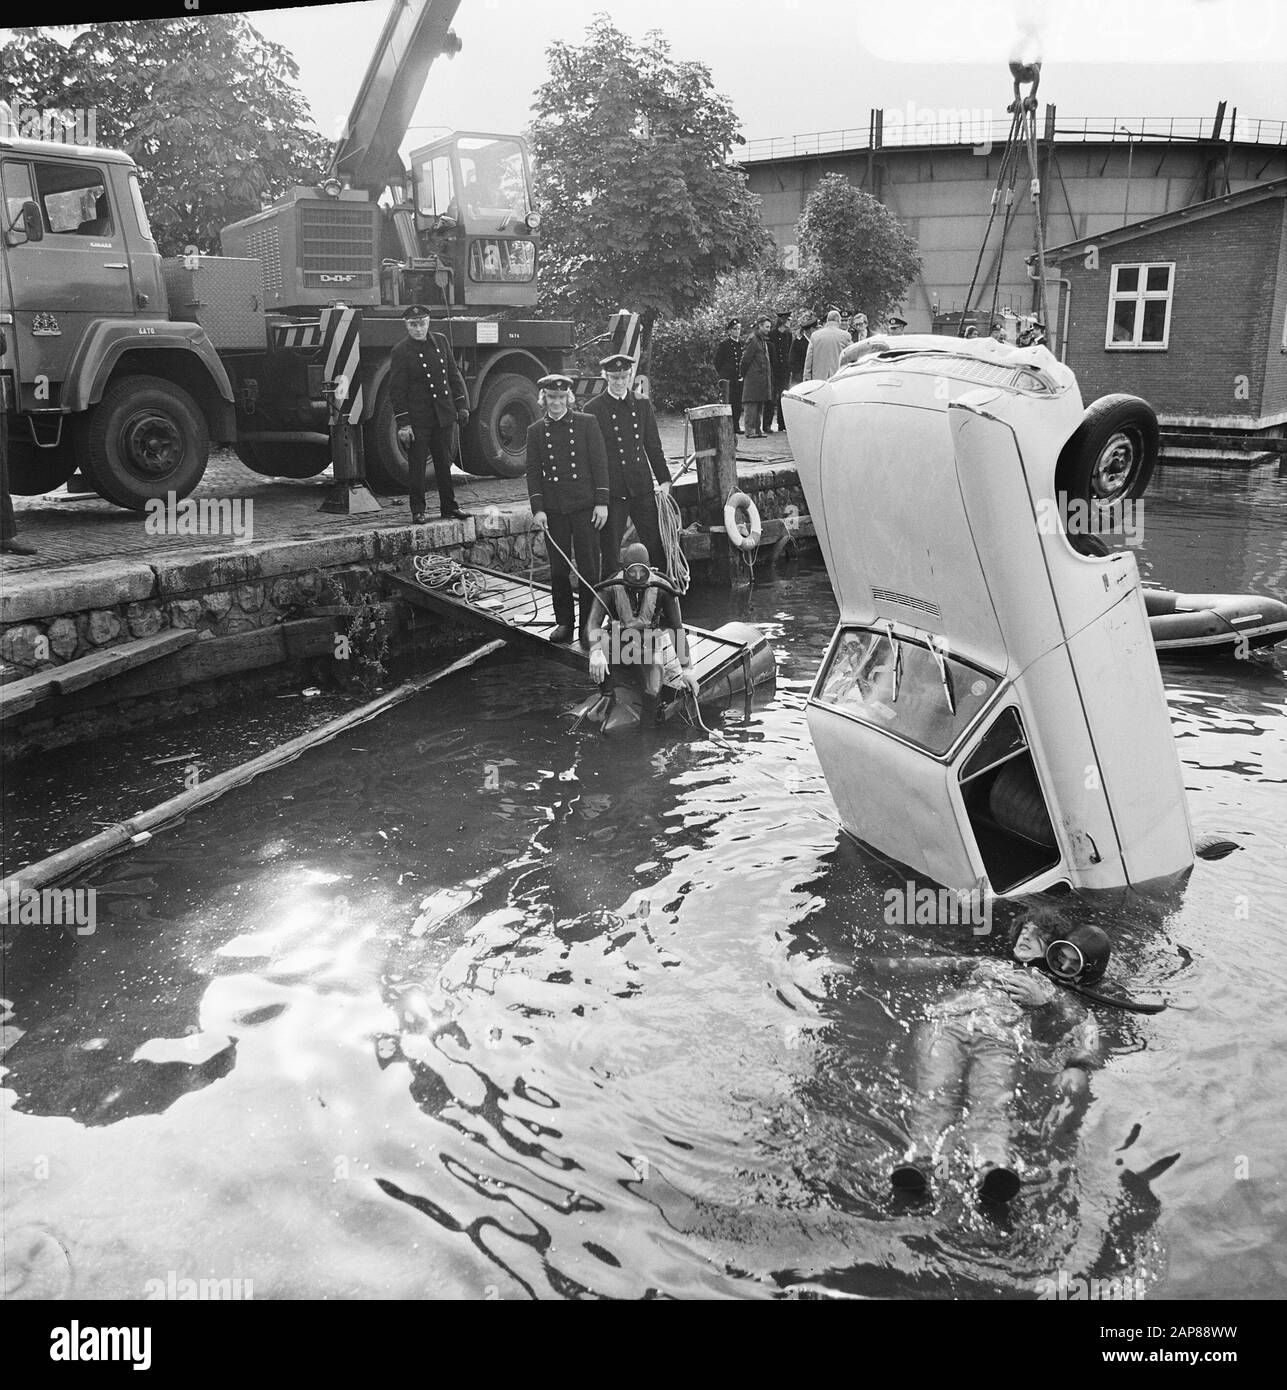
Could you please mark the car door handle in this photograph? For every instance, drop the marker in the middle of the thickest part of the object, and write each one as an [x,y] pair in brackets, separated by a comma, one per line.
[115,265]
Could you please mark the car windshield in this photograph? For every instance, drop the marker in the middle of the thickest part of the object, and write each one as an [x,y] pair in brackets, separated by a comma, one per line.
[907,687]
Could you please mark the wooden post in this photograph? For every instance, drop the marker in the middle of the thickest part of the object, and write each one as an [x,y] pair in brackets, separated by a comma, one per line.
[715,450]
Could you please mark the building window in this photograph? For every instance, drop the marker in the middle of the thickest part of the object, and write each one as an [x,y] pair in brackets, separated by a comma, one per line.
[1139,306]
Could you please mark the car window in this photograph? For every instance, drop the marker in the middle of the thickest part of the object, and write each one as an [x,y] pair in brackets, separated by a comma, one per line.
[908,688]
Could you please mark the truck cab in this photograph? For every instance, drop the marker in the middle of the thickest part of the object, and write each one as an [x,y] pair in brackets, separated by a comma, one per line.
[94,375]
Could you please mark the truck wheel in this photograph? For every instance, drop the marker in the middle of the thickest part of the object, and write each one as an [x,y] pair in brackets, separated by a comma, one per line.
[386,465]
[289,459]
[1111,455]
[33,470]
[144,439]
[496,436]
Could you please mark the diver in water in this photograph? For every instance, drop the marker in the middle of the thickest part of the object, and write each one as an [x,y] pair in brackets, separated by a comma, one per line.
[636,637]
[970,1046]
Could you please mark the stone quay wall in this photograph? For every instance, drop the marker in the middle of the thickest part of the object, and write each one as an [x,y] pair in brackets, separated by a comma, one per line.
[266,615]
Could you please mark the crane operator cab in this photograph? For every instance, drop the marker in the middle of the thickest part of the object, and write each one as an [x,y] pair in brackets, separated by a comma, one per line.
[990,708]
[474,217]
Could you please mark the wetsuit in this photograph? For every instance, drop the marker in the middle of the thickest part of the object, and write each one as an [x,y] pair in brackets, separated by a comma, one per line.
[968,1049]
[618,621]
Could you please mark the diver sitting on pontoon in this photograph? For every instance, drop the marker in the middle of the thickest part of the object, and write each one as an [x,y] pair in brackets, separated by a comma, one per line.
[970,1044]
[637,640]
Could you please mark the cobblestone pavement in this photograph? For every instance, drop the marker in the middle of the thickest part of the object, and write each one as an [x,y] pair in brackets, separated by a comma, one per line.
[69,530]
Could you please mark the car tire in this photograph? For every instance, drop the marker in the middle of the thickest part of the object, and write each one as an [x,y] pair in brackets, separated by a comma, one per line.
[1111,455]
[495,439]
[145,439]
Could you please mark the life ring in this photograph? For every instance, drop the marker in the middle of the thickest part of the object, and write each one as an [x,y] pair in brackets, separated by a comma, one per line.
[739,501]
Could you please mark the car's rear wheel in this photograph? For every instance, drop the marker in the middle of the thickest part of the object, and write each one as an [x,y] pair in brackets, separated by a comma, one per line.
[1111,455]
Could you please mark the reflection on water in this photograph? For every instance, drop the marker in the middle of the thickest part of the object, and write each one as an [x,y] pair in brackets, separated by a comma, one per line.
[461,1006]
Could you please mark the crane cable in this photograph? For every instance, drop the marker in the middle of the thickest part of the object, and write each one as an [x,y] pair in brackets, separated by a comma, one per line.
[1007,156]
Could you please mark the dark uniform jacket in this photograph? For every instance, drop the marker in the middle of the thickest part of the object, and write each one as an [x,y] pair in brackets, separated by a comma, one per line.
[633,443]
[424,382]
[780,356]
[567,470]
[728,359]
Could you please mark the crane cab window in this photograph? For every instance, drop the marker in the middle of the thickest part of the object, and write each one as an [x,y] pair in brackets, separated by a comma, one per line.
[435,188]
[494,193]
[73,200]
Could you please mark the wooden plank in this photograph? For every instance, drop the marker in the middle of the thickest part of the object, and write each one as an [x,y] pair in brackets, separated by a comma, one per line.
[210,658]
[89,670]
[19,696]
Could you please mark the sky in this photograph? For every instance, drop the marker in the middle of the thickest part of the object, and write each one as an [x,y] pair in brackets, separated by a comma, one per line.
[799,66]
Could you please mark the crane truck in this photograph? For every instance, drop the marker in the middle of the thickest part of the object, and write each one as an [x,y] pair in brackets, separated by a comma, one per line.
[127,366]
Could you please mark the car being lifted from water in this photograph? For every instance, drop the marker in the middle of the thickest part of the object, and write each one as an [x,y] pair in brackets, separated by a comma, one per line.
[990,710]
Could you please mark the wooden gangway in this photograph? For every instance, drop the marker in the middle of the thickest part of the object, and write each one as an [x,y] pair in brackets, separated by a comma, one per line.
[522,612]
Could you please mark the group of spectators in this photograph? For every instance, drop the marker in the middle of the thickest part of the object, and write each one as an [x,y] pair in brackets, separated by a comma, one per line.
[755,371]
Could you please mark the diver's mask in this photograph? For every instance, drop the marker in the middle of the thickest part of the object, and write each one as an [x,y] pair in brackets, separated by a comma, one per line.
[636,575]
[1081,957]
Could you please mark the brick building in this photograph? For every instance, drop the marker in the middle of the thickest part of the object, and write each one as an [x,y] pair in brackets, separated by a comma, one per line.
[1188,311]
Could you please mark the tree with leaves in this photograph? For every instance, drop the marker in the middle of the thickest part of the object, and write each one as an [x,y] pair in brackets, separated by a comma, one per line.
[205,105]
[854,253]
[641,207]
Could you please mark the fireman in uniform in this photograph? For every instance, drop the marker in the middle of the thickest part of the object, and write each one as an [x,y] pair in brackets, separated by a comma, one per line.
[567,485]
[636,462]
[429,399]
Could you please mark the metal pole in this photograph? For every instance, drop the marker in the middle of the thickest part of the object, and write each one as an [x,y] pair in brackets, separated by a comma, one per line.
[1130,154]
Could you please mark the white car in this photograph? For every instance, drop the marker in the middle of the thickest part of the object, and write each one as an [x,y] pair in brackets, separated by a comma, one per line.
[990,710]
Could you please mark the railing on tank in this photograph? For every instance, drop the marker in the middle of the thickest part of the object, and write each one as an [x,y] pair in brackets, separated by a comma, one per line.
[893,129]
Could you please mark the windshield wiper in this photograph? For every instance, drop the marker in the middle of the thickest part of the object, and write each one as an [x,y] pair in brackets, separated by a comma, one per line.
[897,648]
[945,676]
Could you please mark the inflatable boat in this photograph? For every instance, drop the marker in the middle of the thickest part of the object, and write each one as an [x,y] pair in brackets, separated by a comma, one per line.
[1213,625]
[990,711]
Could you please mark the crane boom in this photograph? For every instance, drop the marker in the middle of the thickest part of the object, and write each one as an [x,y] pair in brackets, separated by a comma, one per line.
[414,34]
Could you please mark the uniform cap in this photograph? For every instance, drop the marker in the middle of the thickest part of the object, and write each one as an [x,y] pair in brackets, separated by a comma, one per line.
[556,381]
[618,362]
[416,311]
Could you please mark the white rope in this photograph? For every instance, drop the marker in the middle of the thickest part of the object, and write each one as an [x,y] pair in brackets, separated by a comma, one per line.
[670,522]
[441,572]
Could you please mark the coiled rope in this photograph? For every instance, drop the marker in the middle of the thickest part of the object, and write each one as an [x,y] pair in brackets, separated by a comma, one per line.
[441,572]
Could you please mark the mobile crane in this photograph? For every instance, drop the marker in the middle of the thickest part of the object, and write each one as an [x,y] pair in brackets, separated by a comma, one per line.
[127,367]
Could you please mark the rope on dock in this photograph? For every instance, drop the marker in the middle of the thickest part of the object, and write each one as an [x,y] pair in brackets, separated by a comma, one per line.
[441,572]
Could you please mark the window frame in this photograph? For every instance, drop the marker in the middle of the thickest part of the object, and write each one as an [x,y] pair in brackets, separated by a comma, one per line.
[1140,296]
